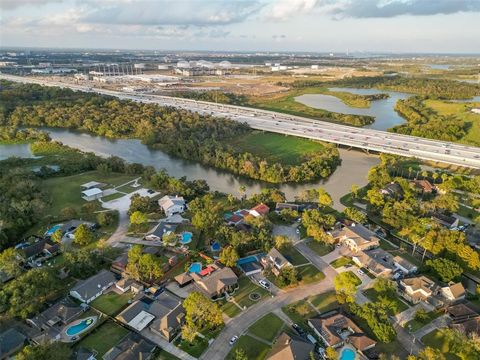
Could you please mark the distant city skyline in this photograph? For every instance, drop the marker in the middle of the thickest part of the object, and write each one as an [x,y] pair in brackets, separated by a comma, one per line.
[391,26]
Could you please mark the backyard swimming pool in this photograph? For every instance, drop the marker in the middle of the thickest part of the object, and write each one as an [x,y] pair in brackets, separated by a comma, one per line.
[53,229]
[80,326]
[347,354]
[186,238]
[216,246]
[195,267]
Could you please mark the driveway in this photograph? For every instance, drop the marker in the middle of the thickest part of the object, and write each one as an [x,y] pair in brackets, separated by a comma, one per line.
[438,323]
[407,315]
[165,345]
[289,231]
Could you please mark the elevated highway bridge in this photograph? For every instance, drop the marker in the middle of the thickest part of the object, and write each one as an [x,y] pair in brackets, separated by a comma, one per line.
[360,138]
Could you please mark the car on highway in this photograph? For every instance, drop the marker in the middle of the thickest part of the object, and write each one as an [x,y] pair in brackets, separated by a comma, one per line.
[233,340]
[264,283]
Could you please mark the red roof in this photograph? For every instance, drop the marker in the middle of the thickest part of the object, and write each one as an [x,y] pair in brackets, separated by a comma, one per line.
[262,209]
[243,212]
[235,218]
[208,270]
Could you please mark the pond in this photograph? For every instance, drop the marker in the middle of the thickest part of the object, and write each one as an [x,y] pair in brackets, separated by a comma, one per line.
[382,110]
[354,168]
[18,150]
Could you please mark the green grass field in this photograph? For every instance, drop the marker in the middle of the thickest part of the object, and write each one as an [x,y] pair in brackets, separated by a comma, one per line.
[294,256]
[324,302]
[254,349]
[399,305]
[341,261]
[111,303]
[300,312]
[320,248]
[310,274]
[104,337]
[241,296]
[414,325]
[461,111]
[66,191]
[267,327]
[288,150]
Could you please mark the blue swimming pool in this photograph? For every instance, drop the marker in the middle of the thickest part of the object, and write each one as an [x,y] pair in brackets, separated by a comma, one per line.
[216,246]
[347,354]
[80,327]
[53,229]
[249,259]
[186,238]
[195,267]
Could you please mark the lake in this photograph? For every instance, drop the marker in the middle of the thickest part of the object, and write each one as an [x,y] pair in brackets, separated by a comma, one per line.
[354,168]
[382,110]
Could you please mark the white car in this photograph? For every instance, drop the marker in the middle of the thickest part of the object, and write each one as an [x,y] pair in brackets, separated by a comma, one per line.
[360,272]
[264,283]
[233,340]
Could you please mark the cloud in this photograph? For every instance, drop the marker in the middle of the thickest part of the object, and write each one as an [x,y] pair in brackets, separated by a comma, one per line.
[172,12]
[14,4]
[286,9]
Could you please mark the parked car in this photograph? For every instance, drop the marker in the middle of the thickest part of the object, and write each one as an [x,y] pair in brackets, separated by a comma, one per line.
[360,272]
[233,340]
[299,330]
[264,283]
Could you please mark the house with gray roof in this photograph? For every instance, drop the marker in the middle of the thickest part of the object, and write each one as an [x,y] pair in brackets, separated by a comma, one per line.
[11,341]
[132,347]
[57,315]
[162,228]
[288,347]
[88,290]
[172,204]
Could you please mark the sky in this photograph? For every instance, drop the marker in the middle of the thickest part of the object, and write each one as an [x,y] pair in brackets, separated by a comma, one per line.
[398,26]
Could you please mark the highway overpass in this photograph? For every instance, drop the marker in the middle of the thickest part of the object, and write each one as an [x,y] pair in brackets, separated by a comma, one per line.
[361,138]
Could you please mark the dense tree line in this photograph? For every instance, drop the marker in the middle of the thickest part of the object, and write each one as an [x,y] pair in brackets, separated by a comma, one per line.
[11,134]
[424,122]
[178,132]
[213,96]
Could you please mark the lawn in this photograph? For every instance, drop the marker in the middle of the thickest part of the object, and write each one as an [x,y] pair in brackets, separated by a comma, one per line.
[294,256]
[355,279]
[341,261]
[104,338]
[414,325]
[300,312]
[66,191]
[114,196]
[436,340]
[320,248]
[310,274]
[400,306]
[254,349]
[246,287]
[111,303]
[288,150]
[324,302]
[196,348]
[164,355]
[385,245]
[267,327]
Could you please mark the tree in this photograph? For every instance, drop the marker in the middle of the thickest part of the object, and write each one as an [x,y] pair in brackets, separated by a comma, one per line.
[138,218]
[200,314]
[57,236]
[229,256]
[384,286]
[106,218]
[355,215]
[288,276]
[104,169]
[354,190]
[10,262]
[446,269]
[88,208]
[346,287]
[68,212]
[83,263]
[324,198]
[83,235]
[144,204]
[430,354]
[377,319]
[420,315]
[206,214]
[142,266]
[240,355]
[331,353]
[169,238]
[289,215]
[282,242]
[52,351]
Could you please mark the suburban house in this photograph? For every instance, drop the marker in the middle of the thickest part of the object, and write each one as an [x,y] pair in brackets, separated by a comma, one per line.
[183,279]
[34,254]
[468,327]
[280,206]
[119,265]
[417,289]
[287,347]
[162,228]
[358,238]
[423,186]
[259,210]
[337,329]
[453,292]
[236,218]
[460,313]
[275,261]
[132,347]
[445,220]
[51,322]
[164,315]
[88,290]
[215,281]
[172,204]
[11,341]
[393,190]
[377,261]
[404,265]
[92,194]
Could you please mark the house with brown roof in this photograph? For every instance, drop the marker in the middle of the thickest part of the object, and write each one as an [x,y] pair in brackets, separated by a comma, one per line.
[275,261]
[461,313]
[358,238]
[259,210]
[453,292]
[417,289]
[287,347]
[337,329]
[471,326]
[377,261]
[423,186]
[215,282]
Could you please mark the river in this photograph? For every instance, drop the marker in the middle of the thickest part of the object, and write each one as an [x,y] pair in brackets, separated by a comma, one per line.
[382,110]
[354,168]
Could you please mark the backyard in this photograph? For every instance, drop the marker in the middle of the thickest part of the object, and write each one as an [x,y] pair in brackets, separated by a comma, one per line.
[320,248]
[104,338]
[395,304]
[437,340]
[111,303]
[253,348]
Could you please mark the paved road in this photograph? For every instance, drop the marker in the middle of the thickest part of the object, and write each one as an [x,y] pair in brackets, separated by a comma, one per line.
[367,139]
